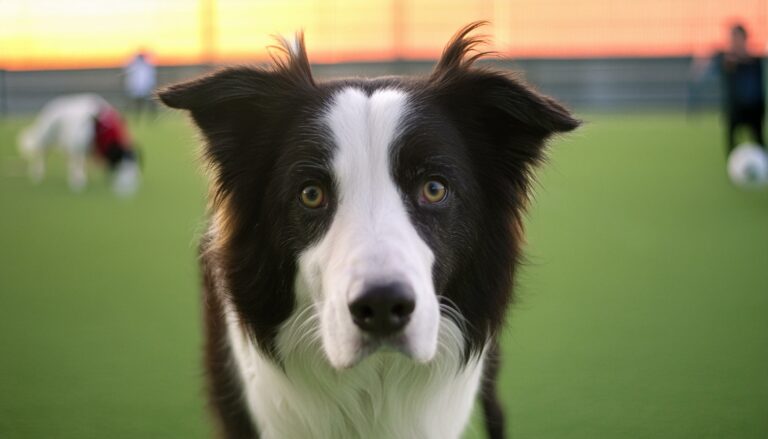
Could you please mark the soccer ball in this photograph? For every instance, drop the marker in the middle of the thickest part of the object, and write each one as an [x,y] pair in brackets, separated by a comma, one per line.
[748,166]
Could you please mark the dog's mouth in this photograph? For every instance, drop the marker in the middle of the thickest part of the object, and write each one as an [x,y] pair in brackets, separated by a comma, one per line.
[382,318]
[391,344]
[375,346]
[414,342]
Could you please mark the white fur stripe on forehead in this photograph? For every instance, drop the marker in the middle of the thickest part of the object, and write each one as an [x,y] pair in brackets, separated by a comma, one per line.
[371,240]
[364,127]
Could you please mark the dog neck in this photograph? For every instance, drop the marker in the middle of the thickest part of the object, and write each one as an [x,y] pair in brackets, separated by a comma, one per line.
[386,395]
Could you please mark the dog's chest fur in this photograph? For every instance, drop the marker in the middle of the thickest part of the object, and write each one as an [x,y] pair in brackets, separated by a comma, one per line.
[386,396]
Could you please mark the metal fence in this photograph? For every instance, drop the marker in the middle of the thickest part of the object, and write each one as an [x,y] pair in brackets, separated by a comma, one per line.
[599,84]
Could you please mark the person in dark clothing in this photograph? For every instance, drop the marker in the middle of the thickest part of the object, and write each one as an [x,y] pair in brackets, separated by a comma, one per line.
[743,88]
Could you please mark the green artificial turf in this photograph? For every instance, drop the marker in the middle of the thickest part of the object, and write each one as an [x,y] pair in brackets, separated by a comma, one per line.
[642,310]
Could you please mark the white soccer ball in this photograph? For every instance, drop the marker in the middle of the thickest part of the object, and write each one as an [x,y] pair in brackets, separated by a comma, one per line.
[748,166]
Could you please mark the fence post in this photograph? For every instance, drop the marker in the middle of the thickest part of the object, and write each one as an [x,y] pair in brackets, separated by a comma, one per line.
[3,94]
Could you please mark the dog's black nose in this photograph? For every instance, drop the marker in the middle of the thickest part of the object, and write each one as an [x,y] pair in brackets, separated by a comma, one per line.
[383,309]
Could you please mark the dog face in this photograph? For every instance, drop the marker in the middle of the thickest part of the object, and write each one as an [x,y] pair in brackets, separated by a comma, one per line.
[382,206]
[370,272]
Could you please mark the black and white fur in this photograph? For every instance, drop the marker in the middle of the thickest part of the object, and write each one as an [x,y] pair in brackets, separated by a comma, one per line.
[285,356]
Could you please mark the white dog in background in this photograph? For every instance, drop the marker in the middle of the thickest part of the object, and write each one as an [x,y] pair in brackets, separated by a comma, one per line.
[81,125]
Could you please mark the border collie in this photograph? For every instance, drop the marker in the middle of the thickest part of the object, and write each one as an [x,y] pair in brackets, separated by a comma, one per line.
[82,125]
[362,242]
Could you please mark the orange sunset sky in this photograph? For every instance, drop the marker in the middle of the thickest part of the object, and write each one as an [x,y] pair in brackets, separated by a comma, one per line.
[92,33]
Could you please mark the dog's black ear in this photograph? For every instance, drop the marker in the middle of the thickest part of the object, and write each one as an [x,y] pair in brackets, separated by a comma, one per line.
[228,86]
[244,92]
[501,107]
[245,112]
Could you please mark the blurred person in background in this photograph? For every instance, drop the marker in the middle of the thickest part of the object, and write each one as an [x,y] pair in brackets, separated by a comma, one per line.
[140,82]
[82,125]
[741,74]
[743,87]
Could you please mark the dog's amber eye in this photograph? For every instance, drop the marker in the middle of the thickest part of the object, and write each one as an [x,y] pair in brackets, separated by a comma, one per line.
[312,196]
[433,191]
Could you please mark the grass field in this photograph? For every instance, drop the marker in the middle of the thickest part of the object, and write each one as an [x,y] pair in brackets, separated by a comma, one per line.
[642,312]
